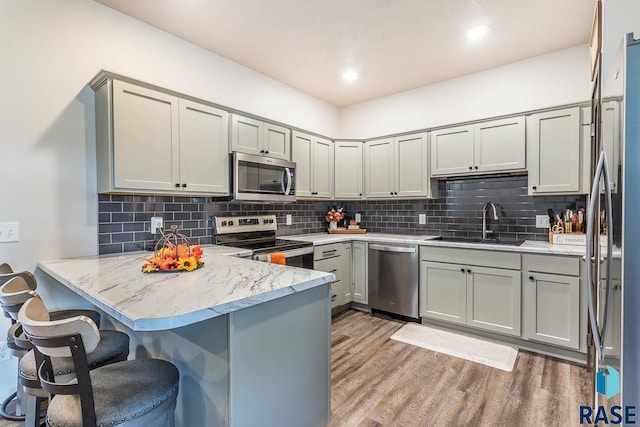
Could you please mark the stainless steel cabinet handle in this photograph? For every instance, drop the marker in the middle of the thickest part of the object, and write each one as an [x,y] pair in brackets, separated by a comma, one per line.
[403,249]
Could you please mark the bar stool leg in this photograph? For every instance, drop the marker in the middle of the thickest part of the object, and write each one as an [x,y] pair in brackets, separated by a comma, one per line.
[33,407]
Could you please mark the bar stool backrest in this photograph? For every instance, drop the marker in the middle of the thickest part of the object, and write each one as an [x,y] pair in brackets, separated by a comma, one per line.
[26,275]
[15,292]
[5,268]
[36,322]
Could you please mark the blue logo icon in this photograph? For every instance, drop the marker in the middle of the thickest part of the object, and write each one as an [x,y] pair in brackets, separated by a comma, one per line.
[608,382]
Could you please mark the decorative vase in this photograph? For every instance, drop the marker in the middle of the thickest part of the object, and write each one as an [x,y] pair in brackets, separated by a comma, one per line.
[333,225]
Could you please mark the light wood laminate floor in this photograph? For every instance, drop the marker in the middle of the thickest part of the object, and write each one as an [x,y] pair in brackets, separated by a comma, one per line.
[379,382]
[376,381]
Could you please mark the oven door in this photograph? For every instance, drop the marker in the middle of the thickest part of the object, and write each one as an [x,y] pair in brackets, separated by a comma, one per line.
[262,179]
[302,257]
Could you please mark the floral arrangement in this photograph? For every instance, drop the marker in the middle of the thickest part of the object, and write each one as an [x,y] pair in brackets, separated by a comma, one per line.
[334,216]
[173,252]
[171,257]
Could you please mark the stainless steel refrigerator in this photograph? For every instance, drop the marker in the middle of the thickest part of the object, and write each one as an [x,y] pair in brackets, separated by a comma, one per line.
[613,275]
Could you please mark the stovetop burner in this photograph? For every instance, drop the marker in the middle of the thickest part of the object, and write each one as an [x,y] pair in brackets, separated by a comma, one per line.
[257,233]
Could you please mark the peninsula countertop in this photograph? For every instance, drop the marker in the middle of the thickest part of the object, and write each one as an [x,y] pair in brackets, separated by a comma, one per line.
[159,301]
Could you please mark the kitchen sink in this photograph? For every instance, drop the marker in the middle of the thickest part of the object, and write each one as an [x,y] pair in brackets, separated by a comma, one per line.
[484,242]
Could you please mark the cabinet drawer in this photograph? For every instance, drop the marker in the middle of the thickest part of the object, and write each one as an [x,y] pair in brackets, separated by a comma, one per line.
[327,251]
[329,265]
[484,258]
[569,266]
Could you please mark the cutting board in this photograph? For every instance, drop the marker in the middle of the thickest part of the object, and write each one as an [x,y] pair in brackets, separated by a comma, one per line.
[346,231]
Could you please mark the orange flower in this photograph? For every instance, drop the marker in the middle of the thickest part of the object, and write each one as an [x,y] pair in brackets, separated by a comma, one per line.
[168,264]
[196,251]
[182,251]
[149,267]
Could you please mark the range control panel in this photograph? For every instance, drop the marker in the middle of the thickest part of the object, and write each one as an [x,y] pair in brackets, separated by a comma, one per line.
[243,224]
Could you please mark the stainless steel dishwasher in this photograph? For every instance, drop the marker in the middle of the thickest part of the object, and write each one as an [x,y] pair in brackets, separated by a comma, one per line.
[393,279]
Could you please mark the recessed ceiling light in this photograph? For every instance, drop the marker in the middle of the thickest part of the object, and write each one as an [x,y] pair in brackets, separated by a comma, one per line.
[477,32]
[349,76]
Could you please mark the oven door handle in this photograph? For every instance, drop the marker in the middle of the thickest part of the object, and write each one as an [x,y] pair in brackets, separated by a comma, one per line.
[287,254]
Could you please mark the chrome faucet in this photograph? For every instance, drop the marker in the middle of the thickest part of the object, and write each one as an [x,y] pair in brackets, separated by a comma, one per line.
[485,232]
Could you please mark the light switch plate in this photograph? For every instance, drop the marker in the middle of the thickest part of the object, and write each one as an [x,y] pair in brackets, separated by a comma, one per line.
[289,219]
[9,232]
[358,217]
[542,221]
[422,219]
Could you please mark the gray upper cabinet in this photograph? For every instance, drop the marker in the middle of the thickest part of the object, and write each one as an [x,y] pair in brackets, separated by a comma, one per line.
[610,132]
[499,145]
[398,167]
[152,142]
[452,151]
[379,168]
[204,162]
[314,159]
[348,170]
[253,136]
[492,146]
[554,152]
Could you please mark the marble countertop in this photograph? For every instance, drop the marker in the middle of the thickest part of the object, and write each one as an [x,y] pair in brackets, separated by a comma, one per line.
[158,301]
[529,246]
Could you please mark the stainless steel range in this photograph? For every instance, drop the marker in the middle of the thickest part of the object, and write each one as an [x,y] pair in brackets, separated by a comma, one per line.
[258,233]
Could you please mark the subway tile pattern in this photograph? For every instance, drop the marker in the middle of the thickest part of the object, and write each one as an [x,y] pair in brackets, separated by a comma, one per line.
[124,220]
[458,210]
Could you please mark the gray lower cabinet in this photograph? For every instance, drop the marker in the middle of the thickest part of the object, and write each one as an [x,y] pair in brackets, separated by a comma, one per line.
[551,300]
[335,258]
[443,291]
[359,273]
[472,294]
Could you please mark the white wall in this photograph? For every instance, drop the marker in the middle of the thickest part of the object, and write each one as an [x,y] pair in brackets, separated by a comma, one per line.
[50,50]
[548,80]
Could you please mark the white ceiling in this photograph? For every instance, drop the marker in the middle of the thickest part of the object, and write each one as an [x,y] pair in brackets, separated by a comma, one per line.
[395,45]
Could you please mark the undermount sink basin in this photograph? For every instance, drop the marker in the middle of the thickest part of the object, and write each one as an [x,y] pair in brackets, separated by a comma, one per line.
[484,242]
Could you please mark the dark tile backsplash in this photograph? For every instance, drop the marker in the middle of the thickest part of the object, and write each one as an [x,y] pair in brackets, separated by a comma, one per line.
[124,220]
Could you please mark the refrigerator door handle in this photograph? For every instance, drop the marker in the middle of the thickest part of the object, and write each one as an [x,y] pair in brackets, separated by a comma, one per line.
[597,331]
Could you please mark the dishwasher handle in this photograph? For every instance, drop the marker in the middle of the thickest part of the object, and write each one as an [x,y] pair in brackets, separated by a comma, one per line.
[403,249]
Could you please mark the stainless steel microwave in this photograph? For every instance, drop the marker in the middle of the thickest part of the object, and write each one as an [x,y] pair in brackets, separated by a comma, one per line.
[262,179]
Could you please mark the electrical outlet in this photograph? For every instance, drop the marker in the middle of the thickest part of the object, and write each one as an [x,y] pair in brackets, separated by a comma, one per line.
[9,232]
[4,351]
[542,221]
[422,219]
[289,220]
[358,218]
[156,224]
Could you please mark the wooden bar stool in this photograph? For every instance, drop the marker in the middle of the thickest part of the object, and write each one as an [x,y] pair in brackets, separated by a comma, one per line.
[134,393]
[114,347]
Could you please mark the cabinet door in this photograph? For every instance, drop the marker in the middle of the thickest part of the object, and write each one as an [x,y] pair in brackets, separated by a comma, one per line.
[360,272]
[204,158]
[554,151]
[145,139]
[443,291]
[411,167]
[499,145]
[452,151]
[379,170]
[277,141]
[551,308]
[301,147]
[322,168]
[493,299]
[246,135]
[346,273]
[348,170]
